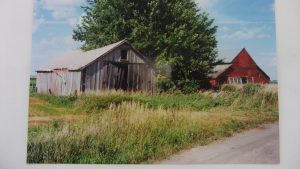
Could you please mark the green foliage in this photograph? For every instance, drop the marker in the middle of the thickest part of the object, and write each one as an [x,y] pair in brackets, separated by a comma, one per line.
[175,32]
[189,86]
[258,97]
[165,84]
[56,100]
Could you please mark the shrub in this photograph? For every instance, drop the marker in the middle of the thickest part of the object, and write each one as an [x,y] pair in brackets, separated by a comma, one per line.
[165,84]
[189,86]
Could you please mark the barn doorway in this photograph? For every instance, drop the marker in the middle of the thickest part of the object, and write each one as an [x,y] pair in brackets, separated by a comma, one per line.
[244,80]
[121,76]
[82,86]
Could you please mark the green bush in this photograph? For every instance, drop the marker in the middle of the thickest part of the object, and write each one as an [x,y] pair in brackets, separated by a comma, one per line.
[189,86]
[165,84]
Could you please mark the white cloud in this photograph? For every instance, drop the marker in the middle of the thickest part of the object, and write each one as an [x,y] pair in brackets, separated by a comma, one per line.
[69,41]
[220,17]
[268,62]
[37,22]
[273,62]
[76,20]
[38,18]
[62,12]
[224,29]
[255,33]
[206,3]
[228,54]
[72,21]
[272,7]
[61,9]
[49,48]
[80,20]
[57,42]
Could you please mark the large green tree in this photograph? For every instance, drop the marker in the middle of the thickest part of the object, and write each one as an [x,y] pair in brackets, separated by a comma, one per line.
[175,32]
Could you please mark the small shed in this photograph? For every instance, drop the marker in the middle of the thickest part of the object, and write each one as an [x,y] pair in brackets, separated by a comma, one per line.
[32,84]
[116,66]
[241,70]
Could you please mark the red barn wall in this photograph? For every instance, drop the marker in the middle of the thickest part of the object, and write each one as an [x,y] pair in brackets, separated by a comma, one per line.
[244,66]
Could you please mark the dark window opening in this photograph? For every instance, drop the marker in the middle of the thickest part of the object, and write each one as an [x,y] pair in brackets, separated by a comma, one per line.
[123,54]
[83,75]
[244,80]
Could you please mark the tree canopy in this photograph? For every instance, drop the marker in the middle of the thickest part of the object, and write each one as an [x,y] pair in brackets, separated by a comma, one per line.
[174,32]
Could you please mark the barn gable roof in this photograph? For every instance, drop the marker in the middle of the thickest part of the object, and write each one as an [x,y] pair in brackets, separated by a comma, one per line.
[244,51]
[243,54]
[218,70]
[78,59]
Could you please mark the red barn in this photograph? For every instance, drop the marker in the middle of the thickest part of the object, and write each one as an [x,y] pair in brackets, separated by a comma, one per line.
[241,70]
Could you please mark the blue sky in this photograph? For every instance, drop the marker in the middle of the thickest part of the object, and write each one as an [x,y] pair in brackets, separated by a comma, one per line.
[241,23]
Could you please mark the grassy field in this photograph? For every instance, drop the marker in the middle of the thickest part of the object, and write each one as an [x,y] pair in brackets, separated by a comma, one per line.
[121,128]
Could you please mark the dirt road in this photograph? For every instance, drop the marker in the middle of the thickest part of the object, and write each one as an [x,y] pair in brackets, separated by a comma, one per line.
[256,146]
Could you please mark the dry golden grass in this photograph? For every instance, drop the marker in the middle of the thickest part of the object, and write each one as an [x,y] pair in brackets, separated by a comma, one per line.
[138,128]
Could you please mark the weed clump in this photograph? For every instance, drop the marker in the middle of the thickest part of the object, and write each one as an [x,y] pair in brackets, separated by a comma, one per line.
[229,88]
[251,89]
[93,103]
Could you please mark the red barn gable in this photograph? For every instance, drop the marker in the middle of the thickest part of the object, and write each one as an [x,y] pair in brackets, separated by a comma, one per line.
[241,70]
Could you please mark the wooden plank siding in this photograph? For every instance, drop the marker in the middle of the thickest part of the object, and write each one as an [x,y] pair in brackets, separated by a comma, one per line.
[108,72]
[58,82]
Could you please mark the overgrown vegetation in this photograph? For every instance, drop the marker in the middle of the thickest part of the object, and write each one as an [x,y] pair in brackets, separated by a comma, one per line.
[121,127]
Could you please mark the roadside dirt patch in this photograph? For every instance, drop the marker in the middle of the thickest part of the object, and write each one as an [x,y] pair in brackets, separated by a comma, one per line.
[254,146]
[36,101]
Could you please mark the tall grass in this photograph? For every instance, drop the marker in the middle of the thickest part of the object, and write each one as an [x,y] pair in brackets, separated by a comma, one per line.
[123,128]
[251,96]
[133,133]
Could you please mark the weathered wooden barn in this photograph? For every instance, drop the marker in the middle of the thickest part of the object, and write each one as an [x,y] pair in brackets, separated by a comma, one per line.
[241,70]
[116,66]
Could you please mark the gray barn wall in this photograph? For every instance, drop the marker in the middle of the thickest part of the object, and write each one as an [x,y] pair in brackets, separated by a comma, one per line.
[102,75]
[99,75]
[59,82]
